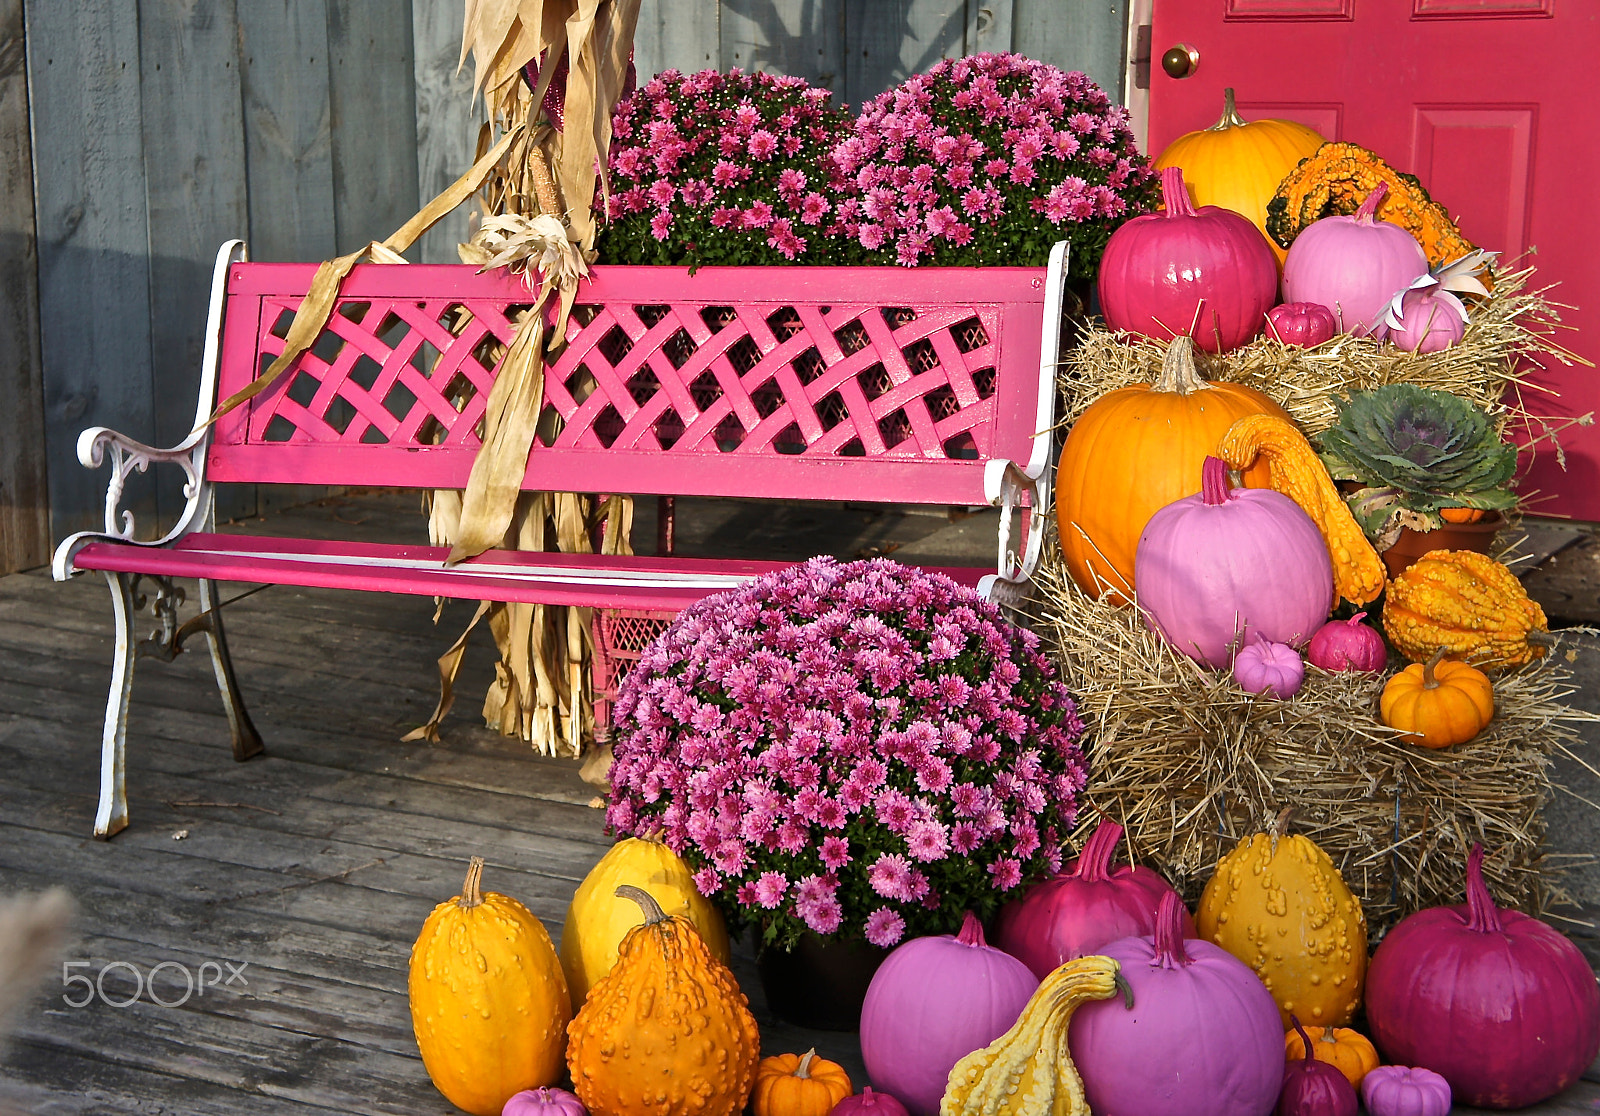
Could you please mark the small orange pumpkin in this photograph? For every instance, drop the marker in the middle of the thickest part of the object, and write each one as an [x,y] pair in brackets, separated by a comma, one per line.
[1349,1052]
[1462,515]
[799,1085]
[1438,703]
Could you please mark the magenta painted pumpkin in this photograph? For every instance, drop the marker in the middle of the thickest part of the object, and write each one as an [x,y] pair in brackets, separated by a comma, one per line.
[869,1103]
[1313,1088]
[1084,907]
[1217,571]
[1424,318]
[1269,669]
[543,1102]
[1353,265]
[1301,323]
[1202,1038]
[1405,1091]
[1347,645]
[1501,1005]
[1205,272]
[932,1002]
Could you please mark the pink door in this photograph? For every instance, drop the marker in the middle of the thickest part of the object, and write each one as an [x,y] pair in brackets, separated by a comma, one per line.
[1493,104]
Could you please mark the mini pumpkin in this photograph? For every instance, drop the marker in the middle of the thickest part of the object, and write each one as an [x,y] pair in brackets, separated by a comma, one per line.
[1438,703]
[1349,1052]
[799,1085]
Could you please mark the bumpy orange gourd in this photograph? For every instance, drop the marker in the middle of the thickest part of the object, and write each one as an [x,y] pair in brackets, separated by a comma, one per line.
[1238,164]
[1298,474]
[1349,1052]
[1438,703]
[1468,604]
[667,1032]
[597,920]
[1278,904]
[799,1085]
[488,1002]
[1134,451]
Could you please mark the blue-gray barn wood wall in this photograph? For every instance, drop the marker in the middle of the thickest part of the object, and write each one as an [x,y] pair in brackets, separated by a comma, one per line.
[160,128]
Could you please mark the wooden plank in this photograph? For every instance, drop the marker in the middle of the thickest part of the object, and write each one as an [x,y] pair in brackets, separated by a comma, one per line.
[678,35]
[374,118]
[887,42]
[804,38]
[1087,37]
[195,183]
[93,242]
[447,121]
[24,497]
[989,26]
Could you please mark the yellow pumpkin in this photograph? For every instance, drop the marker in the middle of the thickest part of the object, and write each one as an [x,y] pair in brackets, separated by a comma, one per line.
[666,1032]
[1278,904]
[1468,604]
[597,920]
[1438,704]
[1136,450]
[1238,164]
[799,1085]
[488,1002]
[1349,1052]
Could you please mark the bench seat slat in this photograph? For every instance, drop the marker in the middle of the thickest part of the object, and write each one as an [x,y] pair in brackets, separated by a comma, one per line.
[642,582]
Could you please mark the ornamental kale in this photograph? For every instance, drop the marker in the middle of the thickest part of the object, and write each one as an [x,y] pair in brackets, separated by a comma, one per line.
[861,750]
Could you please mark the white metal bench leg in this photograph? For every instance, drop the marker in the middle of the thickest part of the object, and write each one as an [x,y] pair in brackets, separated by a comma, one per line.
[246,740]
[112,815]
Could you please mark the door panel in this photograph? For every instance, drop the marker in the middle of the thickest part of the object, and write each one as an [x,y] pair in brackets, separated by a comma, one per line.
[1489,102]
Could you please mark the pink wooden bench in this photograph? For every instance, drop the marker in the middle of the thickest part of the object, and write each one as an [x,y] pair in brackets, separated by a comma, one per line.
[874,384]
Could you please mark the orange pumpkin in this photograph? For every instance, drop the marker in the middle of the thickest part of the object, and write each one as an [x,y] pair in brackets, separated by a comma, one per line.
[1349,1052]
[1438,703]
[1238,164]
[799,1085]
[1462,515]
[1136,450]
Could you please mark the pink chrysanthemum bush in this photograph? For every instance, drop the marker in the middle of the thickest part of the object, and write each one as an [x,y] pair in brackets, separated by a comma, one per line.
[991,159]
[860,750]
[715,168]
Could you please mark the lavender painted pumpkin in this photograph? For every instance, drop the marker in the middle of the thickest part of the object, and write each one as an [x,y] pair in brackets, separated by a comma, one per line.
[1314,1088]
[1084,907]
[1201,1039]
[869,1103]
[1501,1005]
[1405,1091]
[543,1102]
[1269,669]
[1353,265]
[1205,272]
[1347,645]
[1221,569]
[1424,318]
[932,1002]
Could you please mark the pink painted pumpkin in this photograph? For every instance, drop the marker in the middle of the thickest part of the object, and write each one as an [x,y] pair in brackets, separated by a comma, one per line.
[543,1102]
[1347,645]
[1353,265]
[1306,324]
[1405,1091]
[1314,1088]
[869,1103]
[1269,669]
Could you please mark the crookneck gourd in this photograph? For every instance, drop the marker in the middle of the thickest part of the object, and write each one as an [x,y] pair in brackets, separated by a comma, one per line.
[1468,605]
[1299,474]
[1027,1071]
[667,1032]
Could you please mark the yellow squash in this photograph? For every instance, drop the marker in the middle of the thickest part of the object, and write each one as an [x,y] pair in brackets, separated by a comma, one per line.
[488,1001]
[1468,604]
[597,920]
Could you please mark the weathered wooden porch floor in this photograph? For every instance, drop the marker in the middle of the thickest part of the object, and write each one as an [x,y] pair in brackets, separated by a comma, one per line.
[314,865]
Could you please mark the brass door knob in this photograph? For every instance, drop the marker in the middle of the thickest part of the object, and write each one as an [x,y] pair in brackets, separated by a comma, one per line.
[1181,61]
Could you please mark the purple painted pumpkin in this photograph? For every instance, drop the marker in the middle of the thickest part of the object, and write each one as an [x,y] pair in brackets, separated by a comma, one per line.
[1424,318]
[1405,1091]
[1202,1038]
[869,1103]
[1205,272]
[1217,571]
[543,1102]
[1347,645]
[1313,1088]
[1306,324]
[1353,265]
[932,1002]
[1501,1005]
[1084,907]
[1269,669]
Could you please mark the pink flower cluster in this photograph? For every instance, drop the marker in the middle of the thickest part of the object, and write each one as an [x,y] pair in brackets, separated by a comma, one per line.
[722,168]
[861,749]
[989,159]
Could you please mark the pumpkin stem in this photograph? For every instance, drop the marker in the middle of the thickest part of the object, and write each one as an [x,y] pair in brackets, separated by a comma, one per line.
[1169,932]
[470,895]
[1356,619]
[803,1070]
[1429,680]
[1178,371]
[1094,862]
[971,931]
[1230,114]
[1174,194]
[1214,482]
[1125,988]
[1369,208]
[647,903]
[1305,1039]
[1482,915]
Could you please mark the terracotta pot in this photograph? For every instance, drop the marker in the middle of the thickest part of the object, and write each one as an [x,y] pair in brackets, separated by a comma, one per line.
[819,984]
[1412,545]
